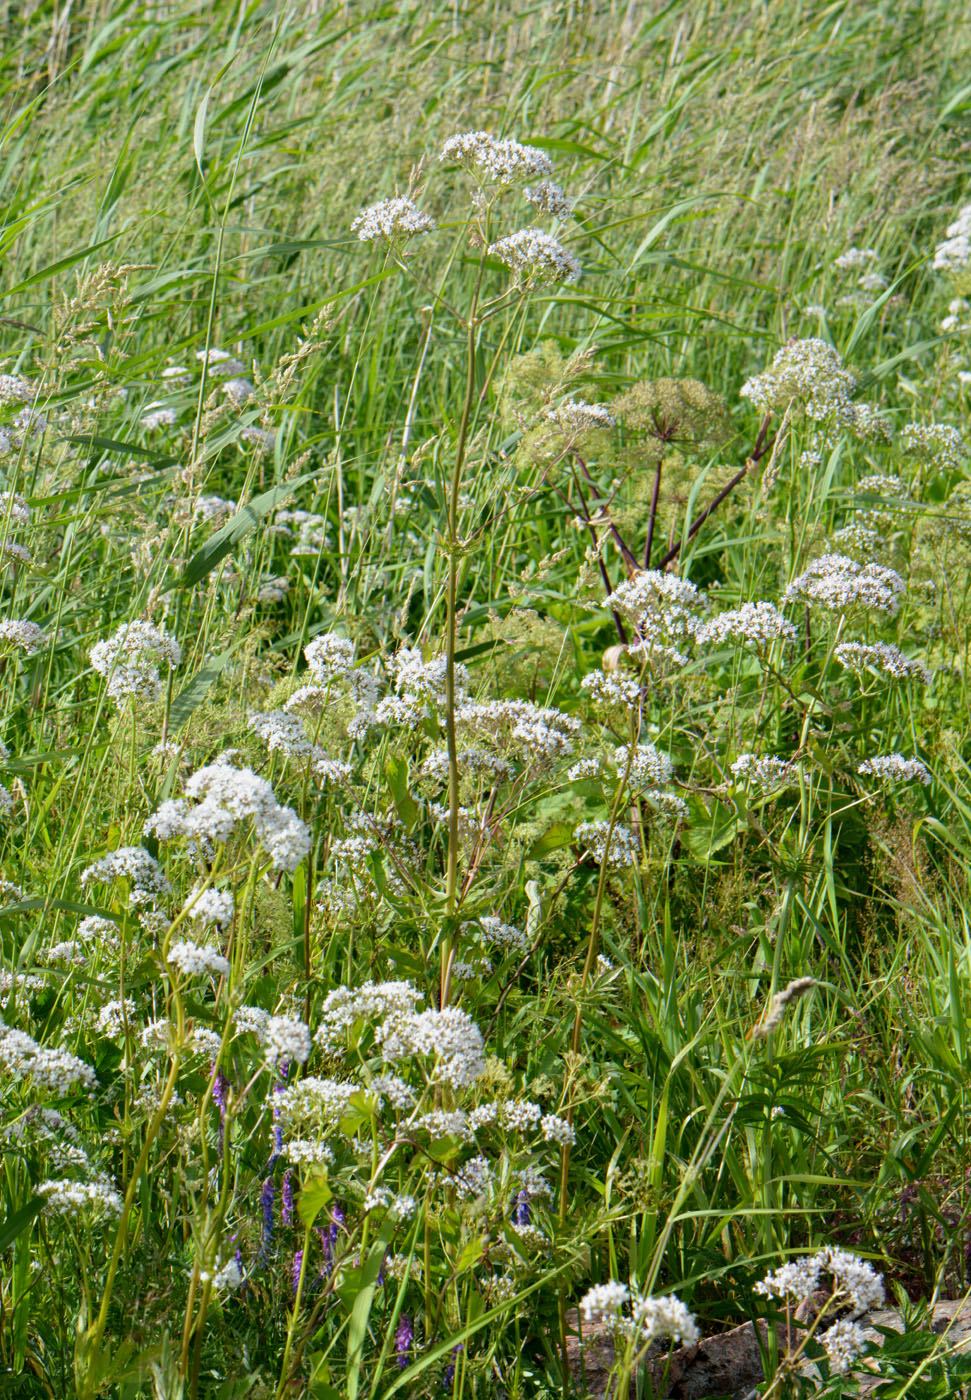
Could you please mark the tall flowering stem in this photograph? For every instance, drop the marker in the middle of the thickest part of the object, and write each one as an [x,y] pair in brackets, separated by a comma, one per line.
[451,604]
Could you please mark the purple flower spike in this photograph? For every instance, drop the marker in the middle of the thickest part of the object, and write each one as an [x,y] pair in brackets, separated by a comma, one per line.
[448,1379]
[267,1199]
[296,1271]
[286,1198]
[403,1339]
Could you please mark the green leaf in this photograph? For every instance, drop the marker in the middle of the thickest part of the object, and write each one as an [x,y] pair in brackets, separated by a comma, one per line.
[16,1223]
[223,542]
[559,835]
[361,1310]
[396,772]
[191,695]
[315,1195]
[472,1252]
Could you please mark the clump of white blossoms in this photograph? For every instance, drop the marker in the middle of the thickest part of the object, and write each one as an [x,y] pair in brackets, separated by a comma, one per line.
[764,774]
[617,847]
[855,259]
[536,256]
[391,220]
[498,161]
[195,961]
[220,364]
[854,1281]
[954,253]
[449,1037]
[22,634]
[225,797]
[132,658]
[806,376]
[759,624]
[880,658]
[132,863]
[549,198]
[648,766]
[837,582]
[576,416]
[884,484]
[894,768]
[74,1198]
[649,1318]
[518,729]
[210,907]
[843,1343]
[663,608]
[52,1068]
[939,445]
[284,1039]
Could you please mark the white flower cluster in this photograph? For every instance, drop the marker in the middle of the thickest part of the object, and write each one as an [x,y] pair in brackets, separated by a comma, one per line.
[226,796]
[22,634]
[837,582]
[649,767]
[228,1276]
[450,1037]
[853,1279]
[808,375]
[496,934]
[273,589]
[55,1069]
[309,1152]
[329,656]
[954,253]
[536,256]
[578,417]
[284,1039]
[374,1002]
[549,198]
[391,220]
[608,689]
[520,729]
[314,1103]
[593,836]
[940,445]
[663,607]
[883,484]
[212,509]
[131,659]
[210,907]
[855,259]
[880,657]
[158,415]
[843,1343]
[649,1319]
[761,624]
[220,364]
[194,961]
[134,863]
[894,768]
[764,774]
[74,1198]
[498,161]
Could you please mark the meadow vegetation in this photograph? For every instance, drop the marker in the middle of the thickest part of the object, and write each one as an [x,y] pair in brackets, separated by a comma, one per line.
[485,831]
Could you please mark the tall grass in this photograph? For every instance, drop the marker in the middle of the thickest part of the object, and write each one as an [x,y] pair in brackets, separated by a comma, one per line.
[179,179]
